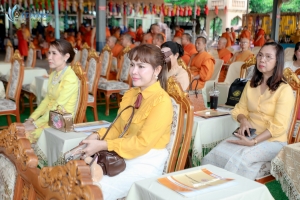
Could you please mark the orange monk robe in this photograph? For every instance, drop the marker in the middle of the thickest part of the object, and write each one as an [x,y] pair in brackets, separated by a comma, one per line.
[71,39]
[87,37]
[107,32]
[139,34]
[116,50]
[117,34]
[245,34]
[49,29]
[186,58]
[22,43]
[132,46]
[133,35]
[147,38]
[228,38]
[242,56]
[78,42]
[225,55]
[261,41]
[202,65]
[179,33]
[49,40]
[233,37]
[190,49]
[35,41]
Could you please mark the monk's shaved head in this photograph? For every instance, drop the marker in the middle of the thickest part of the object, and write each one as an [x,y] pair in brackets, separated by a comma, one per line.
[177,39]
[111,41]
[222,43]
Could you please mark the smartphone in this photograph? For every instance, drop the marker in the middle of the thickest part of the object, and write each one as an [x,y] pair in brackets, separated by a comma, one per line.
[252,131]
[74,153]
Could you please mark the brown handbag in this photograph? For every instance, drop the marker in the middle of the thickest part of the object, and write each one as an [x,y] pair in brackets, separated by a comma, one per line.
[111,163]
[61,120]
[196,97]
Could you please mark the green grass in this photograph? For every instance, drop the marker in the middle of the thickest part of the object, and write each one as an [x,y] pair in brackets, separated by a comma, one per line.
[274,186]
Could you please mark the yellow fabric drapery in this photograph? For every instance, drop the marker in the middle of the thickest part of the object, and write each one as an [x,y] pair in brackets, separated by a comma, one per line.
[266,24]
[287,25]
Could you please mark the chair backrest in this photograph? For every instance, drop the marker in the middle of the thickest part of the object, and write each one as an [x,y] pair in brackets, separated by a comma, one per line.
[106,59]
[293,80]
[255,50]
[233,72]
[123,73]
[31,58]
[14,86]
[9,52]
[246,65]
[217,69]
[214,53]
[82,93]
[288,54]
[93,71]
[181,134]
[70,181]
[184,66]
[84,55]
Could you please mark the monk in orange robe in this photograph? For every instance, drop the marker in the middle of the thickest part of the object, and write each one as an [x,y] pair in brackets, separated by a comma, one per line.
[23,39]
[178,31]
[49,38]
[139,34]
[244,54]
[78,41]
[115,47]
[49,29]
[107,32]
[188,47]
[88,35]
[117,33]
[225,55]
[245,33]
[259,37]
[158,39]
[202,64]
[228,37]
[148,38]
[71,39]
[130,32]
[233,35]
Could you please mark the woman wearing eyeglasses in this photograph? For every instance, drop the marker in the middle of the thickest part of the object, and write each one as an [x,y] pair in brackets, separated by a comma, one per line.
[244,54]
[266,105]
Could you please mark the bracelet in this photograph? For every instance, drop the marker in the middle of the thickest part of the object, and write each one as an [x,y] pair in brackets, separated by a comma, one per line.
[34,124]
[31,120]
[255,141]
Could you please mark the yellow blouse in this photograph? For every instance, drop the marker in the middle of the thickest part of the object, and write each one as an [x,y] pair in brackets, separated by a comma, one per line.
[64,93]
[271,110]
[150,127]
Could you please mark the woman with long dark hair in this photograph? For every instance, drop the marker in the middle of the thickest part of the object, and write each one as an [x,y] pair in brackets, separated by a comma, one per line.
[266,105]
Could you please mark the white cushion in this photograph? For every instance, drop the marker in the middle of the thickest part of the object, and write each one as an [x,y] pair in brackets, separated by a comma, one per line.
[91,99]
[8,176]
[113,85]
[7,104]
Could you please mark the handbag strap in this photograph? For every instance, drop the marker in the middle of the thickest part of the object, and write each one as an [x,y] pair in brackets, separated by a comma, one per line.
[126,125]
[190,87]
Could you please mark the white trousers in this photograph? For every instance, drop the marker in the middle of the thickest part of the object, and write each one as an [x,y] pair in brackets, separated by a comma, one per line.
[149,165]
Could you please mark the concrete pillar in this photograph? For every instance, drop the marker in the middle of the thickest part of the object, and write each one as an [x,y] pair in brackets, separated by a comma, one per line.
[100,24]
[275,21]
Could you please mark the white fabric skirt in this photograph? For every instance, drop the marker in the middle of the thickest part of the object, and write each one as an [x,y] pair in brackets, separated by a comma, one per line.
[242,160]
[146,166]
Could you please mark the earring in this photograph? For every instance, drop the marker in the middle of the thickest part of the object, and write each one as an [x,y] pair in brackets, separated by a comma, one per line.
[156,76]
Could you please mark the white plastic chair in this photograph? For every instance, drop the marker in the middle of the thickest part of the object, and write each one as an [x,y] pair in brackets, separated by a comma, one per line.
[233,73]
[214,79]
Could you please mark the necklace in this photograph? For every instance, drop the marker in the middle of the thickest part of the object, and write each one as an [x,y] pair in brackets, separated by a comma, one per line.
[56,78]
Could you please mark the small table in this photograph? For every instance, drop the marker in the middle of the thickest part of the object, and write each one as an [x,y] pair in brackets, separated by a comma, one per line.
[2,90]
[207,133]
[244,189]
[285,168]
[39,87]
[30,73]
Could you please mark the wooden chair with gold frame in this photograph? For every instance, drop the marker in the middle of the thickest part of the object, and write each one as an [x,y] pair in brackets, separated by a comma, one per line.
[10,105]
[9,52]
[21,179]
[31,58]
[93,69]
[245,69]
[293,80]
[82,93]
[181,134]
[106,59]
[84,55]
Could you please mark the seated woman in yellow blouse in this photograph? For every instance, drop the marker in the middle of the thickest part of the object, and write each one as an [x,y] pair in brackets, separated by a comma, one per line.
[265,105]
[143,146]
[173,51]
[62,89]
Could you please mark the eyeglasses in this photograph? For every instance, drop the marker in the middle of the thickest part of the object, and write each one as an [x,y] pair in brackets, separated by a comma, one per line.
[267,57]
[243,42]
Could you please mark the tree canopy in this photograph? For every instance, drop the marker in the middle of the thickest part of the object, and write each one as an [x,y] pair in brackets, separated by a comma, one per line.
[266,6]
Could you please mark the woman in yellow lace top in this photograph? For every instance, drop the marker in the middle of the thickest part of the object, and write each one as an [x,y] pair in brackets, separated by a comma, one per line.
[144,144]
[265,105]
[62,89]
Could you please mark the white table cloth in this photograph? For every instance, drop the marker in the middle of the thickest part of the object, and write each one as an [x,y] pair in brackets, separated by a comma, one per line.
[4,70]
[30,73]
[245,189]
[39,87]
[53,143]
[2,90]
[207,133]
